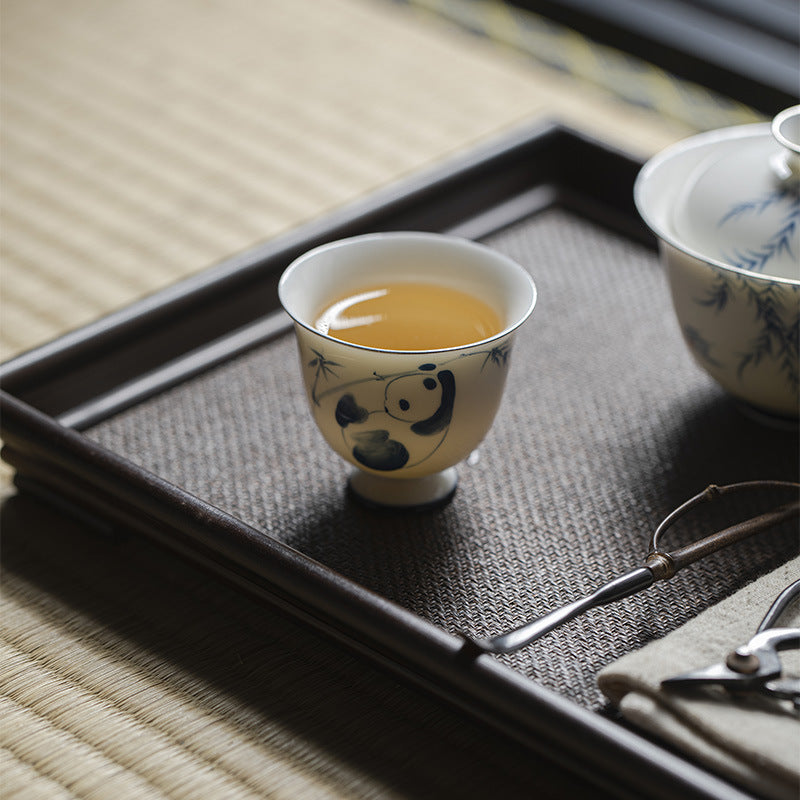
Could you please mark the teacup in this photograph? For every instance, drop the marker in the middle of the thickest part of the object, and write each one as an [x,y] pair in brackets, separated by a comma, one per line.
[404,418]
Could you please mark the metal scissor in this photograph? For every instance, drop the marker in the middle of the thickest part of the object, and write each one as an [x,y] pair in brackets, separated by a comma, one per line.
[754,667]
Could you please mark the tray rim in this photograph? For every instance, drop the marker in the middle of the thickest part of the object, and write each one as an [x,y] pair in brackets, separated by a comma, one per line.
[57,461]
[565,171]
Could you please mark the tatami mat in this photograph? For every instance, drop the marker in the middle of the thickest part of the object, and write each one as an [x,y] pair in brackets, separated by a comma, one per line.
[143,141]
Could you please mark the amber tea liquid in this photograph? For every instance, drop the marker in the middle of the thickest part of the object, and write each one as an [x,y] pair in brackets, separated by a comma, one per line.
[409,316]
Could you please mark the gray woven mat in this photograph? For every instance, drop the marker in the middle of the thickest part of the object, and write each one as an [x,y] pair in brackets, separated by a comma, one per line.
[606,426]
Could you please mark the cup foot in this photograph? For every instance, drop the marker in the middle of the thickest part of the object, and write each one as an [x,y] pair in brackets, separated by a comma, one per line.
[430,490]
[767,418]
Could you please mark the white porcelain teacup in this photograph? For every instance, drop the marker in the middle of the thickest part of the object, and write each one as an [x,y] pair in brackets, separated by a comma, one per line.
[404,418]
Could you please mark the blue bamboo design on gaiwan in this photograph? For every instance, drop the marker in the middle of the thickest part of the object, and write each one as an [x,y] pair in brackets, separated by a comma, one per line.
[700,345]
[758,257]
[776,339]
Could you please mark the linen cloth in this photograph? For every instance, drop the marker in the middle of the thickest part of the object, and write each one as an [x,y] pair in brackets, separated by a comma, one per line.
[754,740]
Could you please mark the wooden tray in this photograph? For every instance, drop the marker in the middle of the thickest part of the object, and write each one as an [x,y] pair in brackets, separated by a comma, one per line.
[606,427]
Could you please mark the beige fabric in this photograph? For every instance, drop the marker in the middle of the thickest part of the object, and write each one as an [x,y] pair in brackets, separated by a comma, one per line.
[755,741]
[142,141]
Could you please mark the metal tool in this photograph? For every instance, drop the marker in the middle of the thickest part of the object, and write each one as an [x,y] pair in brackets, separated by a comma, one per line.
[754,667]
[659,565]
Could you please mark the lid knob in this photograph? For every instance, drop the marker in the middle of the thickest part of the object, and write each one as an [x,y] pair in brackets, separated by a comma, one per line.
[786,130]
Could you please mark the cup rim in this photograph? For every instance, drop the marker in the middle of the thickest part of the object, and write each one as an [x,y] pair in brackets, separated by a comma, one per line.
[660,160]
[456,241]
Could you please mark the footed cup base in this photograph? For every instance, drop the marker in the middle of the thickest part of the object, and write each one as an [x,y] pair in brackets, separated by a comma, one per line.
[408,493]
[767,418]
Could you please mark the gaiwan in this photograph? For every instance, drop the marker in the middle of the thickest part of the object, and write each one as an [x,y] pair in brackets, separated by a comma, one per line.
[725,206]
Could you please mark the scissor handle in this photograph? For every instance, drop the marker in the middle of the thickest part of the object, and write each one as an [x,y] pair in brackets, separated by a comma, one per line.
[664,564]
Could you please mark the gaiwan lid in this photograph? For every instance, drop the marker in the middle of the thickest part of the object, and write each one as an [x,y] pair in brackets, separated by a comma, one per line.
[742,207]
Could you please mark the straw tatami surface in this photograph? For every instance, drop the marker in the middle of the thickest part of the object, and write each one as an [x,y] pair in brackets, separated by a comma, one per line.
[143,141]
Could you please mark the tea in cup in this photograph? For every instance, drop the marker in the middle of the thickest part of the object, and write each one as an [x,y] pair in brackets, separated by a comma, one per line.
[404,342]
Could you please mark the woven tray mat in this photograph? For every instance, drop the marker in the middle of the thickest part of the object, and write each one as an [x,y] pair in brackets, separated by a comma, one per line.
[605,427]
[141,142]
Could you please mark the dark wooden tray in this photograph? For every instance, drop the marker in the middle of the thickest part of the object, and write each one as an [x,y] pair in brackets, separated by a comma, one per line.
[55,400]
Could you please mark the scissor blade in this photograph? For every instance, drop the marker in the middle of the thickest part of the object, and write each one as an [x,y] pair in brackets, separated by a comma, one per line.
[784,689]
[616,589]
[717,674]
